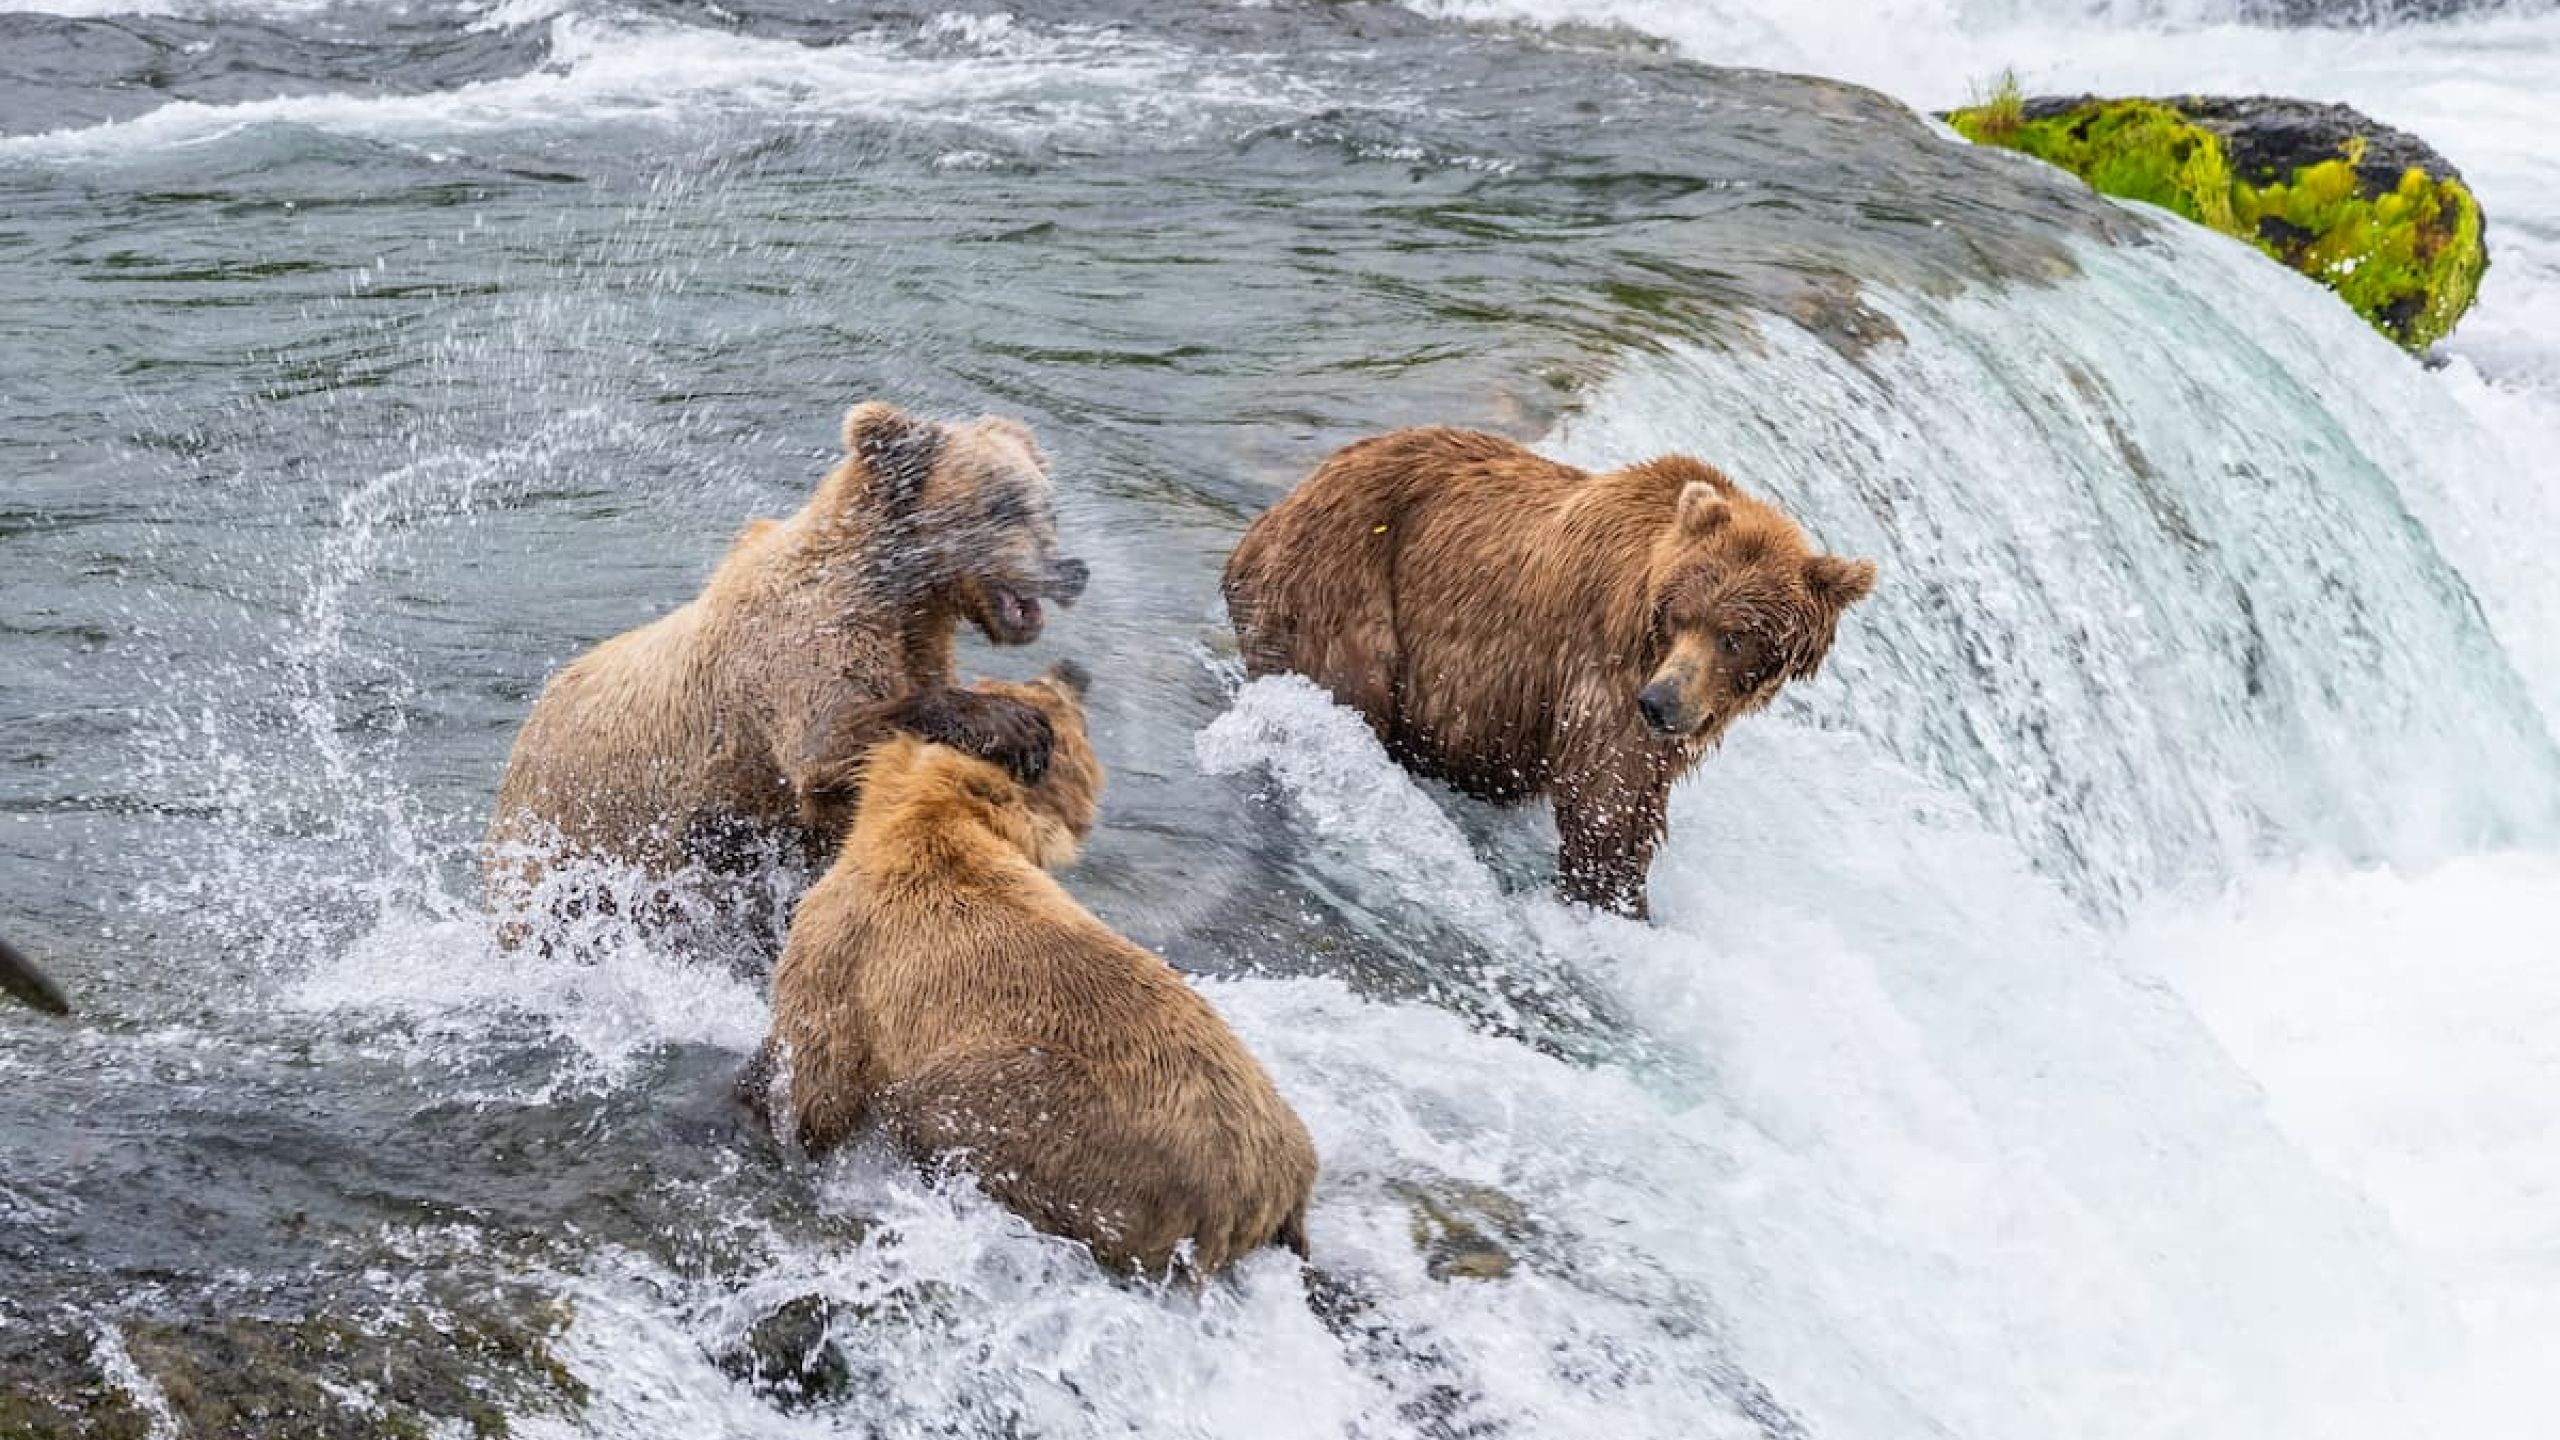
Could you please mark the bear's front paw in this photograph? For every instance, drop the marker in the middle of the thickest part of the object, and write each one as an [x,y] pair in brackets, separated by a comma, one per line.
[992,727]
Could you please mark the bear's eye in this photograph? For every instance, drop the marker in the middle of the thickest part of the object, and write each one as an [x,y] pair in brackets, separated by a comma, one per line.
[1729,643]
[1007,510]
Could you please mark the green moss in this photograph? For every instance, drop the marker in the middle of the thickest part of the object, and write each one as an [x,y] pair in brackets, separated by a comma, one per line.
[2408,258]
[2138,149]
[51,1389]
[1465,1232]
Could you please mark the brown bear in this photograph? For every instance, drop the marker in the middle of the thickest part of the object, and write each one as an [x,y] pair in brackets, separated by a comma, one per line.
[1517,627]
[940,981]
[20,977]
[683,743]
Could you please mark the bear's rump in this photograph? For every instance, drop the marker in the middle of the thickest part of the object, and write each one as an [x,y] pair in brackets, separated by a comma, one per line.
[1046,1137]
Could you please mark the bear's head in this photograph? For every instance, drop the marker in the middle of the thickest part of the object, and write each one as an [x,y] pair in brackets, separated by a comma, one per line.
[1041,802]
[967,506]
[1065,799]
[1741,604]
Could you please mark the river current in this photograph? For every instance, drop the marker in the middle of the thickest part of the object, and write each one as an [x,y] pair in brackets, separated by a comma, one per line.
[2117,999]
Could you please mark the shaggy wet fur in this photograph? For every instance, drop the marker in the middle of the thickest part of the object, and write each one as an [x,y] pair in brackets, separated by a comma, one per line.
[940,982]
[684,743]
[1517,627]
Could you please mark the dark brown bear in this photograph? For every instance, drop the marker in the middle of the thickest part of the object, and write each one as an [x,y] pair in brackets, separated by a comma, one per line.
[1517,627]
[938,982]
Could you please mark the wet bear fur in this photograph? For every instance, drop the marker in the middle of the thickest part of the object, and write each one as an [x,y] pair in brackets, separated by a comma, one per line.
[1517,627]
[940,983]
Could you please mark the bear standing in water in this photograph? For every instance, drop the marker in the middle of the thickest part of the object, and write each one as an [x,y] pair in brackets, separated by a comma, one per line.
[684,743]
[1517,627]
[940,982]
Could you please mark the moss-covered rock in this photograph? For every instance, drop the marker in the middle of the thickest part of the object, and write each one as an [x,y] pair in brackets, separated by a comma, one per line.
[2369,211]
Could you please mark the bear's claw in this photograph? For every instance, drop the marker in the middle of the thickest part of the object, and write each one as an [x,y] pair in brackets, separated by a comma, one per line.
[994,728]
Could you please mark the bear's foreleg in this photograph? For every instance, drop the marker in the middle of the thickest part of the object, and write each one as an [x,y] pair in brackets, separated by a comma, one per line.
[827,774]
[812,1088]
[1611,820]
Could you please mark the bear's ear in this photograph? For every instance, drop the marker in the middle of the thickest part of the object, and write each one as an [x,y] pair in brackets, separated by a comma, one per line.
[1703,511]
[1839,583]
[1006,425]
[1069,676]
[899,450]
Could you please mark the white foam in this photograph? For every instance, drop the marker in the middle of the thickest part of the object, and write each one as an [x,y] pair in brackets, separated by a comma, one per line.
[2406,1027]
[115,1362]
[603,71]
[449,983]
[1320,754]
[1950,1170]
[209,9]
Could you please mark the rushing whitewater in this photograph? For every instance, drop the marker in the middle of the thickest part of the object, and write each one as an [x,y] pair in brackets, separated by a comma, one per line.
[2115,1000]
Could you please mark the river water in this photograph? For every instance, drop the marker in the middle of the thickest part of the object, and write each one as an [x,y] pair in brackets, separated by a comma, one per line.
[2116,999]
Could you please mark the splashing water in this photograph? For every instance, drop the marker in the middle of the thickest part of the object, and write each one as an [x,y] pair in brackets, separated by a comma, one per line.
[2102,1005]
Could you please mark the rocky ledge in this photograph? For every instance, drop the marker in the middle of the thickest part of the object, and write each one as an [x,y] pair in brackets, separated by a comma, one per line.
[2374,213]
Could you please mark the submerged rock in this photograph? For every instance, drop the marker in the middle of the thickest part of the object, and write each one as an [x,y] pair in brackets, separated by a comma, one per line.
[20,977]
[2358,12]
[2372,212]
[1465,1232]
[791,1356]
[820,1350]
[433,1370]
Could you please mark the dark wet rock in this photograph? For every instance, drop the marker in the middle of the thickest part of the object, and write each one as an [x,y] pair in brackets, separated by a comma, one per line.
[2267,138]
[323,1376]
[51,1388]
[810,1350]
[791,1356]
[2374,213]
[20,977]
[2363,12]
[1465,1232]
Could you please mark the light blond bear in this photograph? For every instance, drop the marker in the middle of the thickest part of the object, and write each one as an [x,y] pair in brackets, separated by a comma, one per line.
[940,983]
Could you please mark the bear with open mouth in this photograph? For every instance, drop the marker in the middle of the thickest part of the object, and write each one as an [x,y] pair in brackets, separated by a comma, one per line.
[680,747]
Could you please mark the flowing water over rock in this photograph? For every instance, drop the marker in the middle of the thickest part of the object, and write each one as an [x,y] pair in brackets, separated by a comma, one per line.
[370,363]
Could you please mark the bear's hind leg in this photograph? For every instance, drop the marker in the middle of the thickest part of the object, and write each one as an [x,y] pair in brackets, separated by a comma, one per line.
[1329,617]
[1044,1140]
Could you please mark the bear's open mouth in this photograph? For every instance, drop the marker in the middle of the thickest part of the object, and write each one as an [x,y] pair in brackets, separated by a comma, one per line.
[1016,614]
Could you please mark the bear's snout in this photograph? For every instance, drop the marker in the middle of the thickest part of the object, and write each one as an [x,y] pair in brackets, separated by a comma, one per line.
[1660,703]
[1067,578]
